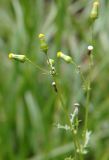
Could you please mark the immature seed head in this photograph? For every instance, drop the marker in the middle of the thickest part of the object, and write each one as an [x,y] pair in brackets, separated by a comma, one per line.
[20,58]
[54,86]
[43,44]
[90,49]
[66,58]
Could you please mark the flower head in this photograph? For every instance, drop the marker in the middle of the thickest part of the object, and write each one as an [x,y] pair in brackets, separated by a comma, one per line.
[94,11]
[21,58]
[41,35]
[43,44]
[66,58]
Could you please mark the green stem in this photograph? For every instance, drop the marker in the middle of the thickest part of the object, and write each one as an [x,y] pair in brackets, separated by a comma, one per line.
[87,109]
[36,66]
[75,139]
[75,136]
[89,85]
[87,99]
[81,74]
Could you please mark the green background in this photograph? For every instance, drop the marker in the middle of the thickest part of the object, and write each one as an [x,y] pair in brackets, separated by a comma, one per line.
[29,108]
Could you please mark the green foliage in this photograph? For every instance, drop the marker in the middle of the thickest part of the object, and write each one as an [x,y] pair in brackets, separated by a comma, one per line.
[28,105]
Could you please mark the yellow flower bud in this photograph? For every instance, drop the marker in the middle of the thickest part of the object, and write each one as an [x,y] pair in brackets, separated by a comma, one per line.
[41,36]
[43,44]
[94,11]
[59,54]
[66,58]
[21,58]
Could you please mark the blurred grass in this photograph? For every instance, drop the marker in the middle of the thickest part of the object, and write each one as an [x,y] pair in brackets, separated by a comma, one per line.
[28,106]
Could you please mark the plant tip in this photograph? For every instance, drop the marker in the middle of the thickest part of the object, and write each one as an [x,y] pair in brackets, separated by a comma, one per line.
[76,104]
[10,55]
[59,54]
[20,58]
[54,86]
[95,10]
[41,35]
[96,3]
[43,44]
[53,83]
[66,58]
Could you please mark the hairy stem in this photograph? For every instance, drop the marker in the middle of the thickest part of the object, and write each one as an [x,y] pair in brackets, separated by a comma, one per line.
[75,138]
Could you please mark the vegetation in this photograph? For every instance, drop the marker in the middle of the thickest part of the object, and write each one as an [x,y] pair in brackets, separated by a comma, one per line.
[38,97]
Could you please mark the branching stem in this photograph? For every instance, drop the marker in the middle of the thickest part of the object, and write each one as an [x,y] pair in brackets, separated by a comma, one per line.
[75,138]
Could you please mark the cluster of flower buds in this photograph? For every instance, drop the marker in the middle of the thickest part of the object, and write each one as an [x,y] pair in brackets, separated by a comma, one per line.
[51,62]
[20,58]
[95,10]
[43,43]
[66,58]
